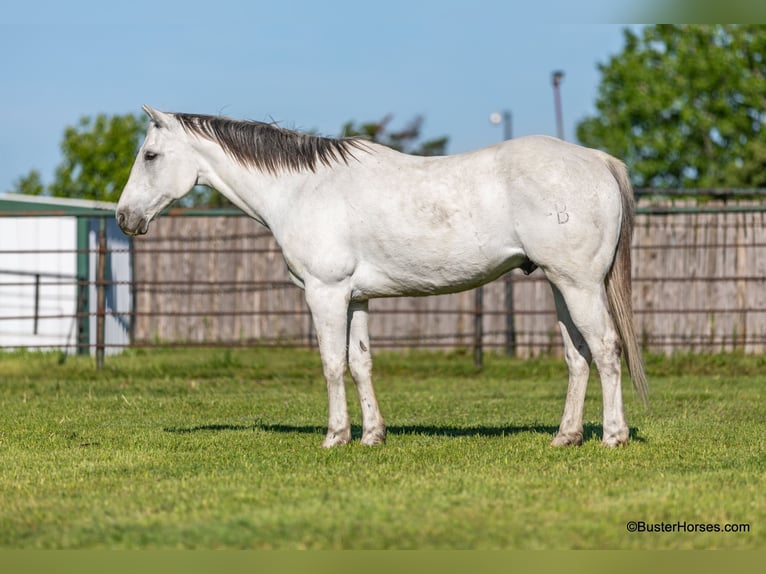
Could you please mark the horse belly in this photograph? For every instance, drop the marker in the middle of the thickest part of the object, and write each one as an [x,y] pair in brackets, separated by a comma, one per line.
[435,271]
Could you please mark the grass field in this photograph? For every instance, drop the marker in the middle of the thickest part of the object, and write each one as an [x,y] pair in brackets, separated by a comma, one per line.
[220,449]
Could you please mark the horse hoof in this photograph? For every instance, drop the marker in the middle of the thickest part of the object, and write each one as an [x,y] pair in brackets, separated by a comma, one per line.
[614,442]
[336,439]
[613,439]
[567,439]
[375,437]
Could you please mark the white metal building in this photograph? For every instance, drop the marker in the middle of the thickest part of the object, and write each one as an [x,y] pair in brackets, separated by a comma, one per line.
[49,250]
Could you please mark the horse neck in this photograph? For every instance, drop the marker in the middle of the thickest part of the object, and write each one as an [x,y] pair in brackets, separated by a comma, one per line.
[260,195]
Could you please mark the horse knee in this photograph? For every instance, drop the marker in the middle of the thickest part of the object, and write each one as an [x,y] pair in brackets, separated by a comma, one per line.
[334,369]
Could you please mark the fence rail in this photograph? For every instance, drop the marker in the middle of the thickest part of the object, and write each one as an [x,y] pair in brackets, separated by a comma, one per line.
[218,279]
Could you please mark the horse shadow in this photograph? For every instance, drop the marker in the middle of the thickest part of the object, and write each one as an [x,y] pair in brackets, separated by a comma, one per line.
[591,431]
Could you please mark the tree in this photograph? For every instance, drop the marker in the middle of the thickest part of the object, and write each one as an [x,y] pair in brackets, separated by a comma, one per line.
[98,154]
[405,140]
[30,184]
[685,106]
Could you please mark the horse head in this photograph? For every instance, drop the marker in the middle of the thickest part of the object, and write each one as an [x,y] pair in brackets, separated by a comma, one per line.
[165,169]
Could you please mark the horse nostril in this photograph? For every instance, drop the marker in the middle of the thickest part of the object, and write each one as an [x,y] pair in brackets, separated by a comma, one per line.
[122,219]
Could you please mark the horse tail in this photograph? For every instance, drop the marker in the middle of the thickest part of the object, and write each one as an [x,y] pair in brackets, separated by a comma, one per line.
[618,283]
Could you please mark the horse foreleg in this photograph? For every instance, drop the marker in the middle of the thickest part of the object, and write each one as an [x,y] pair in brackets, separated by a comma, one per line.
[578,358]
[360,364]
[329,307]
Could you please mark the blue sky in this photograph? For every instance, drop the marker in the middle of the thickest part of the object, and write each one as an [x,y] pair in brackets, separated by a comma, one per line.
[308,65]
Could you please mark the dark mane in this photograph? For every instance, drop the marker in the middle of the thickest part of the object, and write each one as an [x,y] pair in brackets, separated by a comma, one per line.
[268,147]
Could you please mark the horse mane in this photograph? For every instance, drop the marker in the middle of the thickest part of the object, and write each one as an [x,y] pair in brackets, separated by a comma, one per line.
[269,147]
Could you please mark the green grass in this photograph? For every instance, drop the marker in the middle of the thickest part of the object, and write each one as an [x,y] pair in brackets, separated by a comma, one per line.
[220,449]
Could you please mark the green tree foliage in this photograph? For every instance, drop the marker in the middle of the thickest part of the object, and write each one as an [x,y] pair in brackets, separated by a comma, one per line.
[685,106]
[406,140]
[30,184]
[97,156]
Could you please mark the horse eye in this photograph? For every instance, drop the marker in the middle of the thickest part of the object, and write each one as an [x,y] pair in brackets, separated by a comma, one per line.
[149,156]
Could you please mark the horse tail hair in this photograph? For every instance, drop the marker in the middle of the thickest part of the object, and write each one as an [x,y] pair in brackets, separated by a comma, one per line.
[618,283]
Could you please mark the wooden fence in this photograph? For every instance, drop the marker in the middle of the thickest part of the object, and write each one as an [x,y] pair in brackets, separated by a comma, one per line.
[699,284]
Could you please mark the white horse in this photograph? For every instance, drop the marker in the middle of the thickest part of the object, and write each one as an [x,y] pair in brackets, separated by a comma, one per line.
[356,220]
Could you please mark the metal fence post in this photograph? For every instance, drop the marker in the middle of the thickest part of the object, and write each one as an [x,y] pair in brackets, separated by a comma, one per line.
[510,323]
[478,328]
[37,303]
[101,294]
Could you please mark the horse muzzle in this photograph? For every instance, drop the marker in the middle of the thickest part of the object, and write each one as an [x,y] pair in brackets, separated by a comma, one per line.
[132,222]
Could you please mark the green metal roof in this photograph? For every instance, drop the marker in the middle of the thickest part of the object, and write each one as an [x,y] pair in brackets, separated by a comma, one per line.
[17,205]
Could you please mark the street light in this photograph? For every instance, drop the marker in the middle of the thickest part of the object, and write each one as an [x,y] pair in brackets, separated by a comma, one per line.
[497,118]
[557,76]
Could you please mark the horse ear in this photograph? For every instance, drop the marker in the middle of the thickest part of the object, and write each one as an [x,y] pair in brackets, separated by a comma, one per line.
[158,117]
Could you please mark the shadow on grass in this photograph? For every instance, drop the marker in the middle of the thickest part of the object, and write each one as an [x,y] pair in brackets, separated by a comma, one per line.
[590,431]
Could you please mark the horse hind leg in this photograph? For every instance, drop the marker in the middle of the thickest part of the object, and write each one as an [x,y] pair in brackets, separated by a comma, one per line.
[587,309]
[578,359]
[360,365]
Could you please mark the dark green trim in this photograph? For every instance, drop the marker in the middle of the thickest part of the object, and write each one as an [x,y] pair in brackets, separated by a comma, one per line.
[35,208]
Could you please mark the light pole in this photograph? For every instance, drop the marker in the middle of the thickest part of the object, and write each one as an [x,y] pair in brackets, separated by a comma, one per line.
[496,118]
[556,77]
